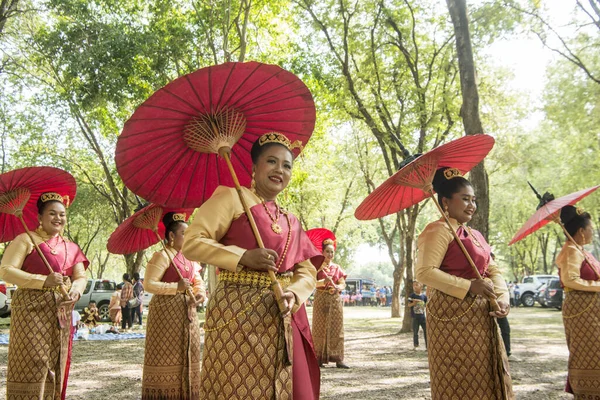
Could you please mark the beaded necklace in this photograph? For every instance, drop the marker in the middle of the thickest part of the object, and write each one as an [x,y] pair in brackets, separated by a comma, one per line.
[288,240]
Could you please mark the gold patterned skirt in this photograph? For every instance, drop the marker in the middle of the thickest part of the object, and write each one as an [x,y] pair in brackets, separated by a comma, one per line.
[581,317]
[172,354]
[467,359]
[38,347]
[245,353]
[328,327]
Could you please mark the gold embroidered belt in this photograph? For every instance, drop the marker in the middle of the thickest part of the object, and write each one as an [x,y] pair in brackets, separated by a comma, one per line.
[254,278]
[330,291]
[55,289]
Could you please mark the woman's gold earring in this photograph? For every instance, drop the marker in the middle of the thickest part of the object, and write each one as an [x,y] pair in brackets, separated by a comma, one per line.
[253,183]
[446,212]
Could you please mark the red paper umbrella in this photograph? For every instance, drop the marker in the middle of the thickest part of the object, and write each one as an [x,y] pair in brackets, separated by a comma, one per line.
[412,183]
[19,192]
[168,150]
[549,212]
[318,235]
[142,230]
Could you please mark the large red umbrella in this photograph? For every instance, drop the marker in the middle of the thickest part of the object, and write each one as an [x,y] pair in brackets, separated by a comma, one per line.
[413,183]
[168,150]
[142,230]
[20,190]
[318,235]
[548,212]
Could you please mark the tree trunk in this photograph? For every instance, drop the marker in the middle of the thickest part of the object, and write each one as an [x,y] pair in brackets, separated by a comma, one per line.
[7,8]
[470,108]
[409,241]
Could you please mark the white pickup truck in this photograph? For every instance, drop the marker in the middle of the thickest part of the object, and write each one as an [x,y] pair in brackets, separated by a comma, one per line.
[526,291]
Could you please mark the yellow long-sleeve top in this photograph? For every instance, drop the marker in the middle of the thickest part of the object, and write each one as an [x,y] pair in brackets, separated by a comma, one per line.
[212,221]
[14,256]
[156,268]
[569,262]
[432,245]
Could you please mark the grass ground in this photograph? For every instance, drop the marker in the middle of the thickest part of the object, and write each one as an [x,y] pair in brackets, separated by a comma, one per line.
[384,364]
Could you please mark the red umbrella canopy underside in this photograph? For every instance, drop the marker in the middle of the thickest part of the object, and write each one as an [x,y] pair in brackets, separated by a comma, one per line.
[153,153]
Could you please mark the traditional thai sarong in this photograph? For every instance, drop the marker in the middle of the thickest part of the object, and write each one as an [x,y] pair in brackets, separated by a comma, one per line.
[248,347]
[581,318]
[40,331]
[467,359]
[328,316]
[172,352]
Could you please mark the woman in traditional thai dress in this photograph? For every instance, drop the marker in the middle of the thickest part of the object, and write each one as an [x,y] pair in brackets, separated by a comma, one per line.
[251,351]
[328,310]
[579,275]
[114,308]
[172,355]
[40,326]
[467,359]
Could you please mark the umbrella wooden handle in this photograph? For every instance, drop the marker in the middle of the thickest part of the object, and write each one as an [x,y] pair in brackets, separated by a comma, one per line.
[63,290]
[493,303]
[189,291]
[275,285]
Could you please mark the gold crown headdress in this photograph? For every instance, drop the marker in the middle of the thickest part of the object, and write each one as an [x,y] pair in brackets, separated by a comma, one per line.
[579,211]
[450,173]
[275,137]
[53,196]
[179,217]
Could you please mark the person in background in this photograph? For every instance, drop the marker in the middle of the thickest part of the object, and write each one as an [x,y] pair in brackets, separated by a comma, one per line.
[417,302]
[114,308]
[138,293]
[328,310]
[579,274]
[126,295]
[90,315]
[75,321]
[505,331]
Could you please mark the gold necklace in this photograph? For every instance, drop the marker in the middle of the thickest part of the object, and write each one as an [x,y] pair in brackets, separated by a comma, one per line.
[182,259]
[473,236]
[53,250]
[275,227]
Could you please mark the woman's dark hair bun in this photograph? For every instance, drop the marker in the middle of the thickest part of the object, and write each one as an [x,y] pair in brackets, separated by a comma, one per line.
[574,218]
[445,187]
[168,219]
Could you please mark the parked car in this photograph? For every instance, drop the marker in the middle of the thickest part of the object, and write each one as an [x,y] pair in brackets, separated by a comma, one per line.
[363,286]
[4,311]
[100,291]
[540,297]
[554,294]
[7,290]
[528,289]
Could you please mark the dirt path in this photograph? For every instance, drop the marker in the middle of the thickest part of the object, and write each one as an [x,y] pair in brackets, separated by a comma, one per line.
[384,364]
